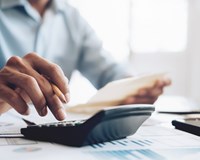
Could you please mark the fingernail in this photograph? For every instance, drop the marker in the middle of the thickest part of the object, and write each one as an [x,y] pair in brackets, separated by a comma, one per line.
[27,112]
[61,115]
[44,111]
[160,83]
[63,99]
[67,97]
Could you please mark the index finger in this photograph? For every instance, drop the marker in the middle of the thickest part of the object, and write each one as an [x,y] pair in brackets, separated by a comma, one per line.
[51,70]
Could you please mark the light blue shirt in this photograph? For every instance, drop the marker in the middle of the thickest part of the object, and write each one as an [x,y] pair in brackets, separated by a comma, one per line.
[61,36]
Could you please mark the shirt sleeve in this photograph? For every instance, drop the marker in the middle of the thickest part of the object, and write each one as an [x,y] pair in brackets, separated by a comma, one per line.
[94,62]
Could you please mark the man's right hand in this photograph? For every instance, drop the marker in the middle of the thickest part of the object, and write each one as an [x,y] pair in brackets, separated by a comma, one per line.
[24,79]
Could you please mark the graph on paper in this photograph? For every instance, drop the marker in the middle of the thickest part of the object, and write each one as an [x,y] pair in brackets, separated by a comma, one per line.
[150,154]
[152,148]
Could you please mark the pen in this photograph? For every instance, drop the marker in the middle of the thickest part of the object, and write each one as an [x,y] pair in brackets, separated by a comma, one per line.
[58,93]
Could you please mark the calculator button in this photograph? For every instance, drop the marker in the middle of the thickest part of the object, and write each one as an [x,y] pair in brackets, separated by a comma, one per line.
[59,124]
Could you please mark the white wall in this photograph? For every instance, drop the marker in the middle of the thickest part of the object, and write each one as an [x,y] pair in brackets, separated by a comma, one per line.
[194,49]
[183,67]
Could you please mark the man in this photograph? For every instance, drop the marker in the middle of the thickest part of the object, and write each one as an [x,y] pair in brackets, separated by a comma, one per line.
[57,33]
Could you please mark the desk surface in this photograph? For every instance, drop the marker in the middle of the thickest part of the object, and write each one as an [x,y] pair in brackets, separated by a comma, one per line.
[156,139]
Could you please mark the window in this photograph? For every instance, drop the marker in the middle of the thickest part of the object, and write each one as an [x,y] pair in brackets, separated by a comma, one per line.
[137,26]
[110,20]
[159,25]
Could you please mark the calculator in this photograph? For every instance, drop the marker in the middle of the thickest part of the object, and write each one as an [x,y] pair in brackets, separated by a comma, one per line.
[106,125]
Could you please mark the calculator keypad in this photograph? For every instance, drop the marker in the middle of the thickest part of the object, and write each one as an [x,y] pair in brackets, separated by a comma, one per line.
[60,124]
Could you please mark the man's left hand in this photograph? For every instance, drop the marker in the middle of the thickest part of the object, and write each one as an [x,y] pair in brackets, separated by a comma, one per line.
[148,95]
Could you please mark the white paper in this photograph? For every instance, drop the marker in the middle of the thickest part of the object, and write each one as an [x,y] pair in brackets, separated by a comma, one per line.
[10,125]
[153,141]
[115,92]
[160,143]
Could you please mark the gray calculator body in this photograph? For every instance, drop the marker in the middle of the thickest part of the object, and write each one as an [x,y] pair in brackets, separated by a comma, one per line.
[106,125]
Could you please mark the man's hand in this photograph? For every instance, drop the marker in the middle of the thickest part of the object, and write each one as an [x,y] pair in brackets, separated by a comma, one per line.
[24,79]
[148,95]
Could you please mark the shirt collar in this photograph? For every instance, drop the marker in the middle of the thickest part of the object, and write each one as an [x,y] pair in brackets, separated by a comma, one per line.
[4,4]
[56,5]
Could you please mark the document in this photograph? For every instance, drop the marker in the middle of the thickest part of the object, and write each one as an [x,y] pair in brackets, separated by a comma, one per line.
[114,93]
[150,142]
[153,141]
[10,125]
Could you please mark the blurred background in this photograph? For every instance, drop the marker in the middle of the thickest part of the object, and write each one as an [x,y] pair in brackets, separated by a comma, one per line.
[147,36]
